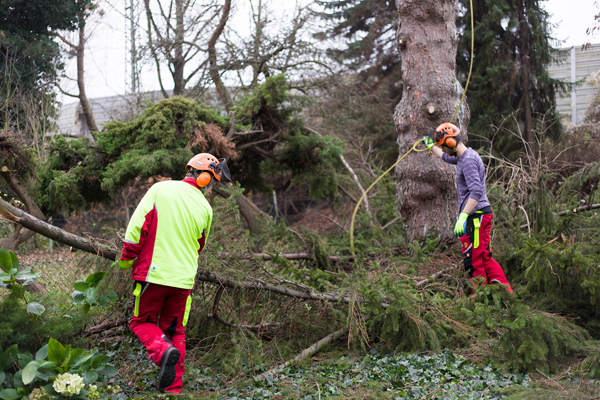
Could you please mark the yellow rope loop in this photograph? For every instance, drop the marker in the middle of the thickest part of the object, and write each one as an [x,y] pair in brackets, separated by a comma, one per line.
[413,148]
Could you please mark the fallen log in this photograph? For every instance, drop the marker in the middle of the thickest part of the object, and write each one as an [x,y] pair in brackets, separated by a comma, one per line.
[309,352]
[16,215]
[106,325]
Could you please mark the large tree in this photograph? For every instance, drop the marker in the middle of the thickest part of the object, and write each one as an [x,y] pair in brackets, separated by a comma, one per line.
[427,41]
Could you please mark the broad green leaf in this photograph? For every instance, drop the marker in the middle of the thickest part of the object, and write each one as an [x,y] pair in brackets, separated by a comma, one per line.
[81,286]
[79,358]
[47,365]
[13,271]
[14,259]
[90,377]
[4,276]
[25,274]
[18,379]
[99,359]
[91,295]
[9,357]
[2,377]
[50,390]
[56,351]
[5,260]
[28,282]
[29,372]
[42,353]
[9,394]
[94,279]
[86,308]
[35,308]
[24,359]
[78,296]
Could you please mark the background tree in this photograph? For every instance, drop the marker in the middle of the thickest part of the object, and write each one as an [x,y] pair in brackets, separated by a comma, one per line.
[30,61]
[513,49]
[177,34]
[78,49]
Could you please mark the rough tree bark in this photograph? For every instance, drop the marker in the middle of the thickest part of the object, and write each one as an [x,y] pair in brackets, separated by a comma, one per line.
[427,40]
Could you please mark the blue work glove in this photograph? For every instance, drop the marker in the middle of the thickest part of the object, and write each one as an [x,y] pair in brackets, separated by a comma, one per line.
[461,224]
[427,141]
[123,264]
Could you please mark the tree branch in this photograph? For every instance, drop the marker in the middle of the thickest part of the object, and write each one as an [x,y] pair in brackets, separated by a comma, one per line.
[309,352]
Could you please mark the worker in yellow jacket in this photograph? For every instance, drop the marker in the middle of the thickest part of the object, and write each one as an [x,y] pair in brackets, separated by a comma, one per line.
[165,235]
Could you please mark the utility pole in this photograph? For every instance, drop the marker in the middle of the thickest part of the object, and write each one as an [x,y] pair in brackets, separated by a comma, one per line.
[134,77]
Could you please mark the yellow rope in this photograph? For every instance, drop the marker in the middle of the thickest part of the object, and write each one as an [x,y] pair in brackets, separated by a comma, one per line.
[470,67]
[414,147]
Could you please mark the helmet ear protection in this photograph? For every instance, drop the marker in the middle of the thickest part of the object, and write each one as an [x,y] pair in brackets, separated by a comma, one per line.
[203,179]
[446,134]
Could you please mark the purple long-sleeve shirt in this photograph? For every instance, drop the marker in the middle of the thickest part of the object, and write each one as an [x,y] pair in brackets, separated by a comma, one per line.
[470,179]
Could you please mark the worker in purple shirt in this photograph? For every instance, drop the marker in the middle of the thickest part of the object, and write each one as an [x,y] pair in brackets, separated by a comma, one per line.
[474,223]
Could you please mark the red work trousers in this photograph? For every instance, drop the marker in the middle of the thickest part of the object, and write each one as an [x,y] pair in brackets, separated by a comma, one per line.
[477,256]
[165,306]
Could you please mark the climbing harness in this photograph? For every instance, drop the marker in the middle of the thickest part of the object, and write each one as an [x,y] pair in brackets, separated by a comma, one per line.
[414,146]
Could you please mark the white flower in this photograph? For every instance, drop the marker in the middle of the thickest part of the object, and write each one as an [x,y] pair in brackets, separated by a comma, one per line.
[68,384]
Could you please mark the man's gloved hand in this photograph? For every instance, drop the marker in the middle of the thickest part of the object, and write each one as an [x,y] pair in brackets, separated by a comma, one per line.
[123,264]
[427,141]
[461,224]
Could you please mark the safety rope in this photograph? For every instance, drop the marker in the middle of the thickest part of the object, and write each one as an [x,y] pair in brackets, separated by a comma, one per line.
[414,147]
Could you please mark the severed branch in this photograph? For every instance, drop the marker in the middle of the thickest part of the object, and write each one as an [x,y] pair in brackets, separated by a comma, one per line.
[268,257]
[309,352]
[18,216]
[433,277]
[579,209]
[106,325]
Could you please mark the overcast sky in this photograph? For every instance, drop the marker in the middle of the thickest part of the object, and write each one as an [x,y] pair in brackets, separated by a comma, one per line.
[106,53]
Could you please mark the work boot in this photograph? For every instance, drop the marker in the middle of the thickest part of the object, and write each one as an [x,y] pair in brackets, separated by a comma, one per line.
[167,373]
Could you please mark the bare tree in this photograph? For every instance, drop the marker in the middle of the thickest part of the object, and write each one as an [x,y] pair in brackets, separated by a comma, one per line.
[427,40]
[175,35]
[78,49]
[282,46]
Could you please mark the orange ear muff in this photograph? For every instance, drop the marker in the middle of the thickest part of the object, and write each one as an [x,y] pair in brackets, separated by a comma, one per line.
[451,142]
[203,179]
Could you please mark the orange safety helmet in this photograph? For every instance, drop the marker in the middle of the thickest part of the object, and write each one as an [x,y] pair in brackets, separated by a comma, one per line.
[208,166]
[447,134]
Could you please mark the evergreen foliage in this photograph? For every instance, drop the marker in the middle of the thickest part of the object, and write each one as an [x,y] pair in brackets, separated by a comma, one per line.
[29,55]
[495,92]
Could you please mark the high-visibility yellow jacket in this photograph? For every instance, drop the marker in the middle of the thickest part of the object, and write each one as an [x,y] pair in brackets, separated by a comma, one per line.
[167,231]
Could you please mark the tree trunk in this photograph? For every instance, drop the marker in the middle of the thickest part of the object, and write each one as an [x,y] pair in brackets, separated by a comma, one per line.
[524,54]
[427,40]
[85,104]
[179,60]
[212,58]
[254,217]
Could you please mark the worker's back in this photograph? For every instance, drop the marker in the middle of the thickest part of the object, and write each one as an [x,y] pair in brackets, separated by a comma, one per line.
[171,224]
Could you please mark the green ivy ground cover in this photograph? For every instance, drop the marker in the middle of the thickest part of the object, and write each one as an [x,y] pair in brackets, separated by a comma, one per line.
[440,376]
